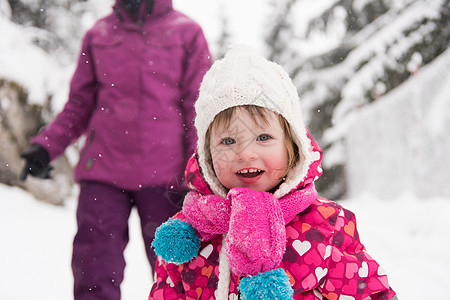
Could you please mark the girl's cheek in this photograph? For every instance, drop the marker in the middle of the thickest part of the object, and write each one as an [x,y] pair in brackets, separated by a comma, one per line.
[221,163]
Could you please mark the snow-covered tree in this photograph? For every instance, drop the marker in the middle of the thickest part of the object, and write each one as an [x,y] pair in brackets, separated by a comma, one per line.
[344,54]
[40,42]
[223,41]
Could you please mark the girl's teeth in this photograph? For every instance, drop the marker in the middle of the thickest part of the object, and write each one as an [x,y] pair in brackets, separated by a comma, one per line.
[248,171]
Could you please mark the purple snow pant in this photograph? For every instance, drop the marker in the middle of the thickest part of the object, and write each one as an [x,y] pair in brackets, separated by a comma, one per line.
[98,262]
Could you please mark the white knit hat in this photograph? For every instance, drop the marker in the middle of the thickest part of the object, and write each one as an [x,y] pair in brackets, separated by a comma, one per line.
[243,77]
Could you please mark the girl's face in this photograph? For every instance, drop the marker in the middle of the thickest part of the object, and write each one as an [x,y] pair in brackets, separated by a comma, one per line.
[248,154]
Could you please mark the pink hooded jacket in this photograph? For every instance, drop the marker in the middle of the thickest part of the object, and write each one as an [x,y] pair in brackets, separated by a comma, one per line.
[133,95]
[323,257]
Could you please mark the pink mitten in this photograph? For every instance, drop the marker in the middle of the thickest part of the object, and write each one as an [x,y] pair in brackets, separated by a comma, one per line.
[256,238]
[209,214]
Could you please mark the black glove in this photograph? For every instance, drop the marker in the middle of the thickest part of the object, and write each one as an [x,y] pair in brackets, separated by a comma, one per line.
[37,163]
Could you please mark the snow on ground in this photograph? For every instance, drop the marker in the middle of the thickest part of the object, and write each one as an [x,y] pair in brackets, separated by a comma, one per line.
[36,250]
[408,236]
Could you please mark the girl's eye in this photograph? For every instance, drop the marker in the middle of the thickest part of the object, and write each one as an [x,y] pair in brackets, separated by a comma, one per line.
[228,141]
[263,137]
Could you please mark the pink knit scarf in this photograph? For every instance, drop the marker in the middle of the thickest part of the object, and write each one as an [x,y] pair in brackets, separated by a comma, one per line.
[256,214]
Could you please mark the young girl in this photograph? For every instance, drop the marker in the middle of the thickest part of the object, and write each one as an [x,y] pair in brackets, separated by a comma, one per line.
[253,226]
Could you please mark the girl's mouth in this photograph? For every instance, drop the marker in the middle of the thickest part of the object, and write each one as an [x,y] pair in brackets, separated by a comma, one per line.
[249,173]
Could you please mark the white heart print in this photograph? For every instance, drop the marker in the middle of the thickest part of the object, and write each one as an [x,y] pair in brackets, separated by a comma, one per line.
[301,247]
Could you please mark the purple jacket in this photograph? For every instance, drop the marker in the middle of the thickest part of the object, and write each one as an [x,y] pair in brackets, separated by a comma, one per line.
[132,94]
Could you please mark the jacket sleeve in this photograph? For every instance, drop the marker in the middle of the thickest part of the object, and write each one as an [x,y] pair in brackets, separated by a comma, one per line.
[197,61]
[168,284]
[351,270]
[72,122]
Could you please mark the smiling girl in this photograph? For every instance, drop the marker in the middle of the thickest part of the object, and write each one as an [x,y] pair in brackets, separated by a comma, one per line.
[253,226]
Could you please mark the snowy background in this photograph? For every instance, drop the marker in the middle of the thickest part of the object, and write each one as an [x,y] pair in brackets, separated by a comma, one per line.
[404,225]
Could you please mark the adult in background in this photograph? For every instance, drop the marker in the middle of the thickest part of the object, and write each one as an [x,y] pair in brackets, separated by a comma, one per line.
[133,96]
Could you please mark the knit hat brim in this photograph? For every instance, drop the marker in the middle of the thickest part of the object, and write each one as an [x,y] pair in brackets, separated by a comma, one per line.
[243,77]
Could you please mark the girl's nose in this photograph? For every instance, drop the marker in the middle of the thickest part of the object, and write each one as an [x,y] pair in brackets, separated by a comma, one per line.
[246,152]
